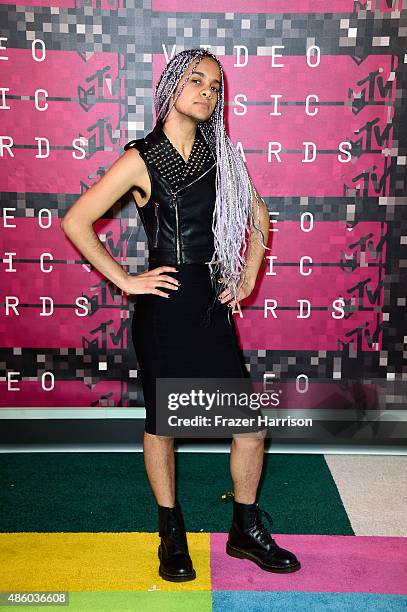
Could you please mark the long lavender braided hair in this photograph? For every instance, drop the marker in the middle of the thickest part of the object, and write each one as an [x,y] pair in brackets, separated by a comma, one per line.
[233,215]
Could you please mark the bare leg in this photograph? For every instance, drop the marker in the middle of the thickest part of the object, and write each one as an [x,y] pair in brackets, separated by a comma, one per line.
[246,463]
[248,536]
[160,467]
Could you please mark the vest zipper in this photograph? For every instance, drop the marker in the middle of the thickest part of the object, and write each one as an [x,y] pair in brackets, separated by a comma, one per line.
[157,222]
[197,179]
[174,197]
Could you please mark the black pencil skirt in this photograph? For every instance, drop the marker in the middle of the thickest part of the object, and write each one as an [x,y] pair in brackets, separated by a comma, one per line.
[189,334]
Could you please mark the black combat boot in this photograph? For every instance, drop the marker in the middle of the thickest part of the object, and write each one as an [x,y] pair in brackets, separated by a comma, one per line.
[249,539]
[175,562]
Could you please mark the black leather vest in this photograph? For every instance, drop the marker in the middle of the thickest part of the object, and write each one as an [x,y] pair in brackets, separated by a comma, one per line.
[178,216]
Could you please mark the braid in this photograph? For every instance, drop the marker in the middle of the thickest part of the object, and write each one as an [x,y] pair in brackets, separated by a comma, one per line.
[235,193]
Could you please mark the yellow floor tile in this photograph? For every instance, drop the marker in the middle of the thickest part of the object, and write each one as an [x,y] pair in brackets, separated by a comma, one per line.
[94,562]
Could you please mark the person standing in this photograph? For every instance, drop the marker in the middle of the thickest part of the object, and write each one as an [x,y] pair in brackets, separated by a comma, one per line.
[199,209]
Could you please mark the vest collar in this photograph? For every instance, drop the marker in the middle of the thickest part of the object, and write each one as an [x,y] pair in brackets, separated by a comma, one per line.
[157,136]
[164,156]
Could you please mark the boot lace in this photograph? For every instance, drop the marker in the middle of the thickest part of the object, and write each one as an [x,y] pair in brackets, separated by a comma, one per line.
[260,531]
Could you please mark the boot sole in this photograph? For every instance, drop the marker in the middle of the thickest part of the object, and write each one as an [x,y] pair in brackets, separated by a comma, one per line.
[241,554]
[174,577]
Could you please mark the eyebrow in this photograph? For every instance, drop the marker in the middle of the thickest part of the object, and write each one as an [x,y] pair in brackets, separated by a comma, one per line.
[203,75]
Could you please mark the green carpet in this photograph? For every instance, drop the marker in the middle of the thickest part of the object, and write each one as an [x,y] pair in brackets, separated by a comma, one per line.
[56,492]
[132,602]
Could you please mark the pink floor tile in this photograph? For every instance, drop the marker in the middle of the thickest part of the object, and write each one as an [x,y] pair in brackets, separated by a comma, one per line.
[370,564]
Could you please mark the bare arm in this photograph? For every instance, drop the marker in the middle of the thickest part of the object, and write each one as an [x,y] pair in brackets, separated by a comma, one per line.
[78,222]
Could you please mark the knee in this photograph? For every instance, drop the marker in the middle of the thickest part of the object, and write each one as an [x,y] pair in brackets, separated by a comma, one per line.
[160,439]
[251,439]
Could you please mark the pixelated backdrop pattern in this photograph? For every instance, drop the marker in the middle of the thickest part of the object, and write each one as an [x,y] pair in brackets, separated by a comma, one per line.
[316,98]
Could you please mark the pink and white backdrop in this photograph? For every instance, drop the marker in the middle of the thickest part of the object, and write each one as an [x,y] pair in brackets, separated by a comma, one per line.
[316,103]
